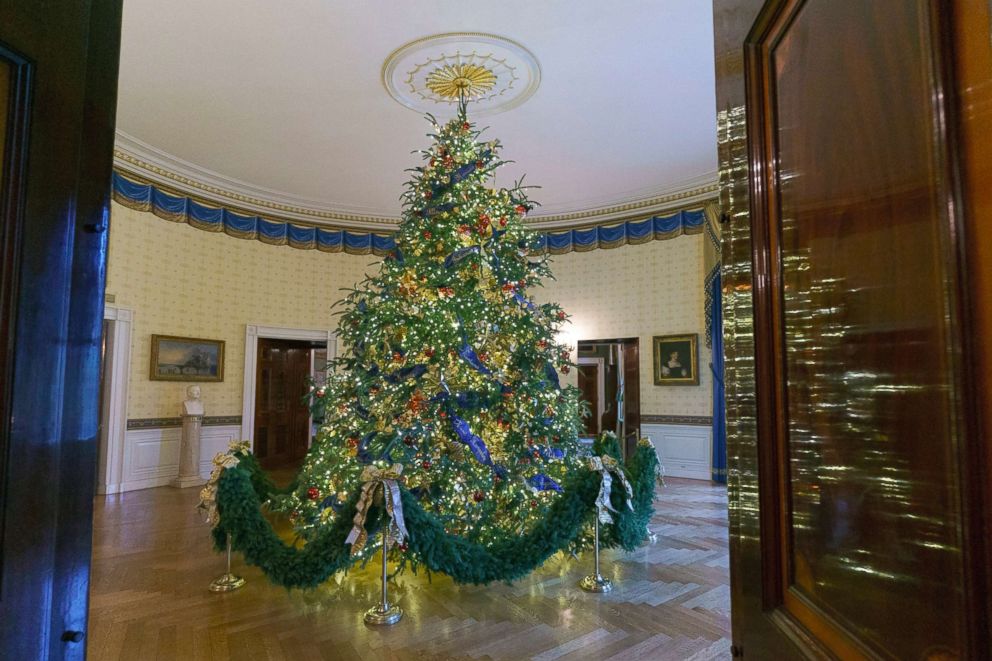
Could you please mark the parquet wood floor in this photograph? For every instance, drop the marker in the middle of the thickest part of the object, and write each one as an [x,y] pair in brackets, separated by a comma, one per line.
[152,562]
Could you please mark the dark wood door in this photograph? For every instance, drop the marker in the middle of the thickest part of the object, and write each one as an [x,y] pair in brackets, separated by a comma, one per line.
[632,394]
[858,518]
[588,377]
[282,419]
[58,85]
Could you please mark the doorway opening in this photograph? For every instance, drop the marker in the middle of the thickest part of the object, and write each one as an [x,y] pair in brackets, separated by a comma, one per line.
[609,378]
[283,428]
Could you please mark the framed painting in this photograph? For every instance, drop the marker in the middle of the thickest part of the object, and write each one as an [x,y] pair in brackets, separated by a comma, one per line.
[186,359]
[676,360]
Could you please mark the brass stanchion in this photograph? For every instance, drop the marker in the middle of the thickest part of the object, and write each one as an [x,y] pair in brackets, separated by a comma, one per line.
[228,581]
[595,581]
[384,613]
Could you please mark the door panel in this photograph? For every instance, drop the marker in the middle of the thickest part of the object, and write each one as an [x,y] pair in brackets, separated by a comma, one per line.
[850,421]
[282,419]
[59,82]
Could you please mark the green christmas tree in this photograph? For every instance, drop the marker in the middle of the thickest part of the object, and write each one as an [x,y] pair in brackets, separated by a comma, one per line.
[449,367]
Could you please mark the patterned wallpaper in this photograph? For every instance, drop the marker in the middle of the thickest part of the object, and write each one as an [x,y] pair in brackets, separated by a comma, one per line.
[182,281]
[640,291]
[179,280]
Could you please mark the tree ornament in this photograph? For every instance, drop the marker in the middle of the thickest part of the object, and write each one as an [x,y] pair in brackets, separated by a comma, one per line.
[313,493]
[520,209]
[478,496]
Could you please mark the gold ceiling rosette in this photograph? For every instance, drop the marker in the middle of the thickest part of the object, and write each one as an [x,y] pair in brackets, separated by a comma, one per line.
[454,81]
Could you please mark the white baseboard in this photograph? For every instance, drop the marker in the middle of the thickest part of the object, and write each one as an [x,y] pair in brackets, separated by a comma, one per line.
[683,450]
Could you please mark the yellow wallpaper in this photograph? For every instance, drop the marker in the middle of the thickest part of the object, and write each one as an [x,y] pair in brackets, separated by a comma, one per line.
[640,291]
[179,280]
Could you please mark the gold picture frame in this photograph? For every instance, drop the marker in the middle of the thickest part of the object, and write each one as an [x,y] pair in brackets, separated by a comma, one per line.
[676,359]
[177,358]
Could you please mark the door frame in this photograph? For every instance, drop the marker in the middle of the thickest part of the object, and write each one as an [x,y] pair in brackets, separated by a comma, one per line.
[117,375]
[252,334]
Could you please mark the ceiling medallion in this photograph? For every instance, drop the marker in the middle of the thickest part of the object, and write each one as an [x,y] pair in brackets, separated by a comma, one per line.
[453,81]
[429,74]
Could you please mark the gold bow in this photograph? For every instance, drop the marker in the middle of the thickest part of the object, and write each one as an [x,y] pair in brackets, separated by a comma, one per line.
[606,465]
[222,461]
[372,478]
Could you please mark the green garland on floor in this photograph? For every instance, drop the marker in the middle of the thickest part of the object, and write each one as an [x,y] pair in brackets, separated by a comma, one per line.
[243,488]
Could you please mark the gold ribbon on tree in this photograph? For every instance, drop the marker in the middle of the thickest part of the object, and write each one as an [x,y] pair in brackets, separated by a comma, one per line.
[372,478]
[604,466]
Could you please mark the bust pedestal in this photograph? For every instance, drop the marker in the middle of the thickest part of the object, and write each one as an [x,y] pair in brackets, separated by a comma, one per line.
[189,446]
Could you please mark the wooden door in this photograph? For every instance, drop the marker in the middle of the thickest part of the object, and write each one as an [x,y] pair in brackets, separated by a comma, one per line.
[58,86]
[858,519]
[588,376]
[282,419]
[632,394]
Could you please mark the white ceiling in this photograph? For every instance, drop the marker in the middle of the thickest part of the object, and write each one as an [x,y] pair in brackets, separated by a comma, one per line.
[286,97]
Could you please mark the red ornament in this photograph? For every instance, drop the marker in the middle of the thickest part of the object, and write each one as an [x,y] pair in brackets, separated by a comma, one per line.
[320,393]
[403,547]
[408,440]
[431,162]
[466,126]
[397,357]
[533,503]
[484,357]
[429,352]
[442,414]
[313,493]
[521,283]
[427,235]
[508,288]
[542,344]
[464,229]
[428,195]
[520,209]
[479,165]
[561,314]
[502,221]
[478,496]
[353,442]
[426,464]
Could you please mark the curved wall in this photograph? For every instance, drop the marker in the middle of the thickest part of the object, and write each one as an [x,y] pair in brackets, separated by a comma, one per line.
[179,280]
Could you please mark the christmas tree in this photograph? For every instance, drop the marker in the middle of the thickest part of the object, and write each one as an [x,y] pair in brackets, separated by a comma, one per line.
[449,368]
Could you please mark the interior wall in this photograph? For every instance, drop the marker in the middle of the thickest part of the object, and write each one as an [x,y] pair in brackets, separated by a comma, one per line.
[644,290]
[179,280]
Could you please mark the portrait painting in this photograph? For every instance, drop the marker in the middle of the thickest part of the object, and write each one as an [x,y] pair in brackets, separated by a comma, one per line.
[676,362]
[186,359]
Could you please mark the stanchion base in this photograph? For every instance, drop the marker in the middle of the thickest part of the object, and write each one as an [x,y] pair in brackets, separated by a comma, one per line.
[596,583]
[378,616]
[226,583]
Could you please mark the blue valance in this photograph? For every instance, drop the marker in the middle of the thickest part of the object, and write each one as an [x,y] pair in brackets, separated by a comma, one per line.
[182,209]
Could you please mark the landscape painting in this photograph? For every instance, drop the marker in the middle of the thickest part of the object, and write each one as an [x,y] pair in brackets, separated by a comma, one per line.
[186,359]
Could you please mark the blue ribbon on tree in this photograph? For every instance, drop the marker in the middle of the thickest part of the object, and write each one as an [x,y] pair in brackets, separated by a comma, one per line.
[524,302]
[552,374]
[469,356]
[459,256]
[549,453]
[473,441]
[363,448]
[542,482]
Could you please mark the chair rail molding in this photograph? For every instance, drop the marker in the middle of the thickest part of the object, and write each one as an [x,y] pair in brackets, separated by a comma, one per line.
[113,413]
[252,333]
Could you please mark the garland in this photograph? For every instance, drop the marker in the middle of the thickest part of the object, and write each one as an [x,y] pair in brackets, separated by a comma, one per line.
[243,487]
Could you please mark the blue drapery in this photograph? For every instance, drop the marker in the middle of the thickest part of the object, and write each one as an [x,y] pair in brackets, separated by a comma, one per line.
[719,468]
[182,209]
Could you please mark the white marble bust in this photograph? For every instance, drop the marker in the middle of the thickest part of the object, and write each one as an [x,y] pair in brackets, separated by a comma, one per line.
[193,404]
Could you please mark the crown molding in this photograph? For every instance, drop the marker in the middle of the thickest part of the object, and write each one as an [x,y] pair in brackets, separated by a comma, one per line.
[147,163]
